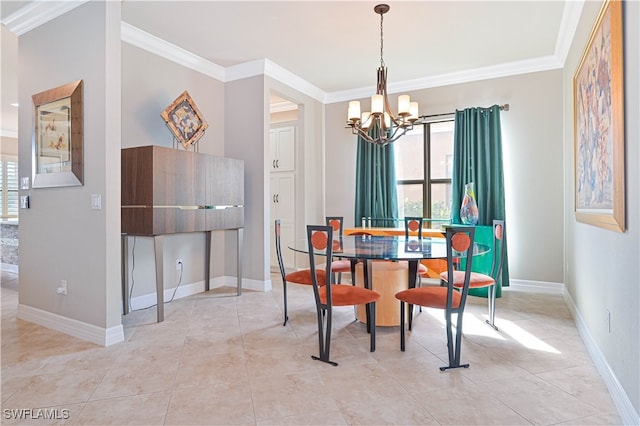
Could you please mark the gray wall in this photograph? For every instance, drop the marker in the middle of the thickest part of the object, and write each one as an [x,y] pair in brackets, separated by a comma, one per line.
[145,95]
[532,150]
[61,237]
[602,266]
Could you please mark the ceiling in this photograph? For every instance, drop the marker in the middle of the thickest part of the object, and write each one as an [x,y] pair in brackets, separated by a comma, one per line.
[335,46]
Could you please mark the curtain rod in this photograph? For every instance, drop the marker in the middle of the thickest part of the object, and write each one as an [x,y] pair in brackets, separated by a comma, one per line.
[504,107]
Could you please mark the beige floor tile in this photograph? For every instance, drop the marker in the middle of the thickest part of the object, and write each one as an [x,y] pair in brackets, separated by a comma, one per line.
[329,418]
[222,359]
[229,404]
[538,401]
[582,382]
[137,377]
[290,395]
[54,389]
[147,409]
[466,404]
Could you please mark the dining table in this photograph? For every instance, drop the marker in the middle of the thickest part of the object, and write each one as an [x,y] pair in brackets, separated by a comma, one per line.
[399,272]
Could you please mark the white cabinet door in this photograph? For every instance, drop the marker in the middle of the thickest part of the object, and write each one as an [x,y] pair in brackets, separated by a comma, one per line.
[282,146]
[282,206]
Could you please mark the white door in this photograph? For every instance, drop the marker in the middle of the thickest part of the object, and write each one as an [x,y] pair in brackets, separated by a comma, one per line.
[282,144]
[282,202]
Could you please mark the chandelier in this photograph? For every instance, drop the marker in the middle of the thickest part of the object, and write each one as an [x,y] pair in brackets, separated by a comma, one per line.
[380,126]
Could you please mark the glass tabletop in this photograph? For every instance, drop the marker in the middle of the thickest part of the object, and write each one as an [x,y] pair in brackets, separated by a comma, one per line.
[389,247]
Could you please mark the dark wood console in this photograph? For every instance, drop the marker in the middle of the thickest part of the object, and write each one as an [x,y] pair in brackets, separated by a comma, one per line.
[169,191]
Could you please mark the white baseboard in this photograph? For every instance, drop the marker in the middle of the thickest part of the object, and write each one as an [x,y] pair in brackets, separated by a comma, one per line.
[534,286]
[8,267]
[72,327]
[147,300]
[622,402]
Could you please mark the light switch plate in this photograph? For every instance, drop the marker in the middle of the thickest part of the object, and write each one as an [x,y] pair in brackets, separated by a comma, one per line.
[24,182]
[96,202]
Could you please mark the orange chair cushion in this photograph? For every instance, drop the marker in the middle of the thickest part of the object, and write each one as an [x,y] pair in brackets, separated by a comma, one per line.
[347,295]
[304,277]
[421,268]
[341,266]
[476,280]
[431,297]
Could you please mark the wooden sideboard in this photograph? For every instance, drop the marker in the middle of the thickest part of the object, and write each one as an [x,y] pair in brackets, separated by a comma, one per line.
[169,191]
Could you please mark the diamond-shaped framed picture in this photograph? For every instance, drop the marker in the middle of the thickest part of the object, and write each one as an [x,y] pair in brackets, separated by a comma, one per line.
[185,120]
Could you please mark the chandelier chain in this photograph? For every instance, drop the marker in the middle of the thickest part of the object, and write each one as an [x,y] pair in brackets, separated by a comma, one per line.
[381,42]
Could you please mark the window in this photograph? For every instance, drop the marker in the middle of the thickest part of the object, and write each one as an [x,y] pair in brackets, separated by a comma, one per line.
[8,188]
[424,162]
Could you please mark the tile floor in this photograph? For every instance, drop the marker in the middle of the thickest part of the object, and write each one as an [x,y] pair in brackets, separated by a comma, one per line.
[222,359]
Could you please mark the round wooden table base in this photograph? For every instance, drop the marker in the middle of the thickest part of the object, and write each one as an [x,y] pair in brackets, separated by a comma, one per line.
[388,279]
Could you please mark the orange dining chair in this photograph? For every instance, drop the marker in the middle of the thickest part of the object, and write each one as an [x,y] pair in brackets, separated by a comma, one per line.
[330,295]
[451,299]
[339,265]
[298,277]
[479,280]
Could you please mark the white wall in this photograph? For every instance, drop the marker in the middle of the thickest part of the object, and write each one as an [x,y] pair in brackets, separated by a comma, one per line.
[61,237]
[602,266]
[532,153]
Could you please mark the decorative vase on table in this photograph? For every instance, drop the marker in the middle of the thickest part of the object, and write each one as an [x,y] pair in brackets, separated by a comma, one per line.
[469,208]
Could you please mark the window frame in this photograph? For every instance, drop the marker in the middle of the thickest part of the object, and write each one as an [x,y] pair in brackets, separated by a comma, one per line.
[427,181]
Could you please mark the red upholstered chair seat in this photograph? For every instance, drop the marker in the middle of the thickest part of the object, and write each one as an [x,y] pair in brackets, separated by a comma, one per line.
[431,297]
[304,277]
[341,266]
[347,295]
[477,280]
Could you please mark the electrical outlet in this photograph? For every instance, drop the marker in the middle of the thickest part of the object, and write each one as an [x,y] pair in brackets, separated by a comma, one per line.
[62,289]
[179,264]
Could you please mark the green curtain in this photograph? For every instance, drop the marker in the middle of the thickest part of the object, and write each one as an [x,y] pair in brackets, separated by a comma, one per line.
[376,191]
[477,158]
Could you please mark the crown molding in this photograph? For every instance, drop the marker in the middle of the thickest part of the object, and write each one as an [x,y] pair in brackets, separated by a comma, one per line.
[285,76]
[271,69]
[149,42]
[283,106]
[568,25]
[37,13]
[543,63]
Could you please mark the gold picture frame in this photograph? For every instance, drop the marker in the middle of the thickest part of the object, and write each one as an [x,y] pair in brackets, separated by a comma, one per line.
[599,142]
[58,137]
[185,120]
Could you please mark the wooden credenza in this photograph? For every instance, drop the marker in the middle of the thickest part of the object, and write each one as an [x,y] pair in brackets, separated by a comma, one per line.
[169,191]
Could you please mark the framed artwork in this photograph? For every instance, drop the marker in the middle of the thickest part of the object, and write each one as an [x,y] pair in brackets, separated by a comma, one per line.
[58,138]
[599,144]
[185,120]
